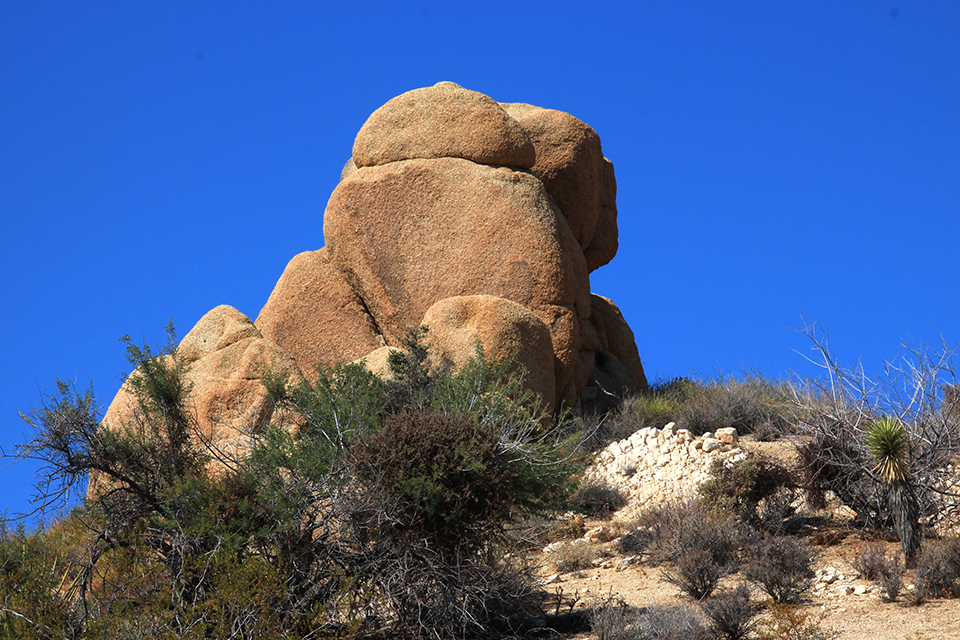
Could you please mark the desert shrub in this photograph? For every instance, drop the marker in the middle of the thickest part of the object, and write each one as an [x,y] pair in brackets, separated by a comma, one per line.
[875,564]
[653,407]
[781,567]
[742,404]
[790,623]
[938,568]
[731,614]
[616,621]
[871,561]
[740,488]
[385,514]
[667,623]
[569,529]
[675,529]
[574,555]
[891,577]
[696,573]
[834,415]
[444,474]
[597,498]
[634,542]
[33,605]
[702,546]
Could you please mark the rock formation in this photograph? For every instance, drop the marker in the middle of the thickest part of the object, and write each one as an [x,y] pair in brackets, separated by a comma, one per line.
[481,220]
[656,466]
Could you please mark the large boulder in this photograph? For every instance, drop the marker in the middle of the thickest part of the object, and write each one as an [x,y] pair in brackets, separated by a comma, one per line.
[316,317]
[409,234]
[503,329]
[571,165]
[615,336]
[442,121]
[226,358]
[483,220]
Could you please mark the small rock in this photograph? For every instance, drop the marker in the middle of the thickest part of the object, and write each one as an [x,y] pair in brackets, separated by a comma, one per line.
[844,590]
[861,589]
[711,444]
[553,579]
[727,435]
[599,534]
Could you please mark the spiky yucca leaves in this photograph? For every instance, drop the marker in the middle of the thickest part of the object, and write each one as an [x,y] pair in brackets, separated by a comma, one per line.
[889,445]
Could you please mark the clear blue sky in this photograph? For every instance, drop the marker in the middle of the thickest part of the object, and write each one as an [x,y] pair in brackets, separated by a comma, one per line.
[775,161]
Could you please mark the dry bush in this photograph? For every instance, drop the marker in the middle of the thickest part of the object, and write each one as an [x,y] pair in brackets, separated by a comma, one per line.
[740,489]
[832,416]
[667,623]
[575,555]
[615,621]
[597,499]
[938,570]
[702,546]
[675,529]
[731,613]
[696,573]
[871,560]
[782,567]
[746,405]
[790,623]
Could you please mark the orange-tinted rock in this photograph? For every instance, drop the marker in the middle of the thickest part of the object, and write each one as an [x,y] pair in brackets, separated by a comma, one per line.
[502,328]
[606,240]
[569,162]
[226,358]
[227,394]
[408,234]
[571,165]
[315,316]
[615,336]
[442,121]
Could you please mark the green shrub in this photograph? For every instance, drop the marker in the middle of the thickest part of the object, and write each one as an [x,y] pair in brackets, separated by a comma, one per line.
[32,573]
[447,474]
[740,488]
[385,514]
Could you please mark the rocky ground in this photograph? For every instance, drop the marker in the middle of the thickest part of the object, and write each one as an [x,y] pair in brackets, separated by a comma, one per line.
[850,606]
[846,604]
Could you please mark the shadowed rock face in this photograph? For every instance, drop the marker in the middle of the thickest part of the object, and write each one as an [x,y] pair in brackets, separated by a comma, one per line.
[482,220]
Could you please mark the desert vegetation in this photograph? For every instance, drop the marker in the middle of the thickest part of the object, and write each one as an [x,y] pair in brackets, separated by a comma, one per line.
[417,506]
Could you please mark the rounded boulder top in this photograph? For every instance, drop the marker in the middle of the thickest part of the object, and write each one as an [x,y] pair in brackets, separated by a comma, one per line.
[443,121]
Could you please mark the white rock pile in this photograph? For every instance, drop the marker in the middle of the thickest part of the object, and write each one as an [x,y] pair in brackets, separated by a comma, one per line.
[655,466]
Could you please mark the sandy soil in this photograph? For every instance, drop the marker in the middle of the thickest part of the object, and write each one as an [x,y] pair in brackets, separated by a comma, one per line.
[854,617]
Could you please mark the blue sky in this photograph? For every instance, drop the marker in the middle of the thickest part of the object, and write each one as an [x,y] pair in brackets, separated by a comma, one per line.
[776,162]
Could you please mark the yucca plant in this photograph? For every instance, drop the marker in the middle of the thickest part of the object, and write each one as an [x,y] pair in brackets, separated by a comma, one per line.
[889,444]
